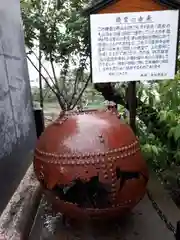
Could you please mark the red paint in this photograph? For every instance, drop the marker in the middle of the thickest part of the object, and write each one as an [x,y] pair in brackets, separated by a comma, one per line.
[86,144]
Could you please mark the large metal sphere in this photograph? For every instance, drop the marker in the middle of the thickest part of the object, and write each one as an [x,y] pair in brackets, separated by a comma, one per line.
[90,165]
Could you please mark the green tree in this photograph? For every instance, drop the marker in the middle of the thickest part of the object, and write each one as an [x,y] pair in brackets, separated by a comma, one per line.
[61,36]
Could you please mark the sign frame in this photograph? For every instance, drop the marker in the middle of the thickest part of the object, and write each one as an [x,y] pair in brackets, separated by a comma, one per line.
[148,78]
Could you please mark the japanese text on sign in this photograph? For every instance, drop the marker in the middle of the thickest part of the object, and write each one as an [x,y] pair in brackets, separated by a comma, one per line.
[134,46]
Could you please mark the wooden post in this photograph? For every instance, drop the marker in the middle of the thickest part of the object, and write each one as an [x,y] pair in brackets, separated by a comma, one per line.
[132,104]
[40,78]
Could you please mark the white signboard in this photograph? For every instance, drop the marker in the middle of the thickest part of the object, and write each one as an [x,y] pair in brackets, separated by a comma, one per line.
[134,46]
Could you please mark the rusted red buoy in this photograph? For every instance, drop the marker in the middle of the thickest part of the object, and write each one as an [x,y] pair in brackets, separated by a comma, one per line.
[90,165]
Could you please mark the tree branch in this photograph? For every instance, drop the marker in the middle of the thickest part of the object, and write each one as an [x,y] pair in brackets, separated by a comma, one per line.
[75,88]
[63,75]
[81,93]
[43,67]
[60,102]
[61,96]
[79,74]
[109,93]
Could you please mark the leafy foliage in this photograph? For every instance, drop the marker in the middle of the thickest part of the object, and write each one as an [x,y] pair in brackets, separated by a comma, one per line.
[61,36]
[164,96]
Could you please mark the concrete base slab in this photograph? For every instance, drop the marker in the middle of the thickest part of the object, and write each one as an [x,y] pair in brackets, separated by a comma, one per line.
[18,216]
[142,224]
[166,207]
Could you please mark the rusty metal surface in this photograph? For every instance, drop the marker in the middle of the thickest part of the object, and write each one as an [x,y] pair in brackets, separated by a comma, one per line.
[142,224]
[85,147]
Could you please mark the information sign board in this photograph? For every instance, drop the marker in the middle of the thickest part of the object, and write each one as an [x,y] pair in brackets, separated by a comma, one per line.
[134,46]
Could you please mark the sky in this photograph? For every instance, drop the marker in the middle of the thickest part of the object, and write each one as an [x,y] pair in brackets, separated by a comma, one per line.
[34,75]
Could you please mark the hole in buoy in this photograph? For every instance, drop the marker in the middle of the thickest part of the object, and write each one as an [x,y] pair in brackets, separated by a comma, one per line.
[91,194]
[124,176]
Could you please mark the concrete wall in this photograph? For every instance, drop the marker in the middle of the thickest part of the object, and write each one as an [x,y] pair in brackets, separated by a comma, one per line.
[17,131]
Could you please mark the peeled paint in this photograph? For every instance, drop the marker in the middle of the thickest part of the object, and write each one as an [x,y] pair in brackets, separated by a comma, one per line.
[89,164]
